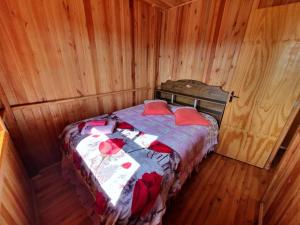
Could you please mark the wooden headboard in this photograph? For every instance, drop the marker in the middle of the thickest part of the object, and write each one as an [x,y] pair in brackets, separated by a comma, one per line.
[205,98]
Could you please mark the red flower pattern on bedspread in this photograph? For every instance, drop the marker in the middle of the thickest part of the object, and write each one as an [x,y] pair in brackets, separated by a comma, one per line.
[140,195]
[111,146]
[124,125]
[145,193]
[157,146]
[126,165]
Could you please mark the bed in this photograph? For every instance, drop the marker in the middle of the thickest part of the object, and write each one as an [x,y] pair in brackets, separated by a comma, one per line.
[126,177]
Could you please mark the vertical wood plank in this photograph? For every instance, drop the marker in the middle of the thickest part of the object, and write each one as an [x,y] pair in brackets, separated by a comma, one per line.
[281,200]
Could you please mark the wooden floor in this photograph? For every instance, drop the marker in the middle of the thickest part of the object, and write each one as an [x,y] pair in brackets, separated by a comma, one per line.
[224,191]
[57,200]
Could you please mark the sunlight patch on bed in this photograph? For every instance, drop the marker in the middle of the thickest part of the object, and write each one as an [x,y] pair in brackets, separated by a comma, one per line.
[111,171]
[142,140]
[145,140]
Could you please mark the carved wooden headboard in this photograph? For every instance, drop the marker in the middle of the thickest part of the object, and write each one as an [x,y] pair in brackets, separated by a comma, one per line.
[205,98]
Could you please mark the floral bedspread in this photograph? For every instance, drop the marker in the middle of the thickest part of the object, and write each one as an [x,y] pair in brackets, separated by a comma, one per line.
[192,143]
[128,172]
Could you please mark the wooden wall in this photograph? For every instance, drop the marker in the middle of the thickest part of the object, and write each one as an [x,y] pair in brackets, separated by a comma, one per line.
[292,130]
[17,202]
[80,58]
[245,48]
[267,82]
[167,4]
[282,198]
[63,49]
[202,41]
[269,3]
[66,60]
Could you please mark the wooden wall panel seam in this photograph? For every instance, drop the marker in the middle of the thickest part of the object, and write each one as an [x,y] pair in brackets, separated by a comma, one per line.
[215,38]
[38,104]
[132,33]
[91,37]
[157,49]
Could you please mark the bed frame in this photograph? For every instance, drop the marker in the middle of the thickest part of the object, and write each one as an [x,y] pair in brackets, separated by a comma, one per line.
[205,98]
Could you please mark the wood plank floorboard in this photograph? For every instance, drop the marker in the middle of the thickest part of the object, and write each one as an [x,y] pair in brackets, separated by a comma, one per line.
[57,200]
[223,192]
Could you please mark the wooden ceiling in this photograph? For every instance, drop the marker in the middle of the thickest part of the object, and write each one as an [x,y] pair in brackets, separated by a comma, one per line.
[167,4]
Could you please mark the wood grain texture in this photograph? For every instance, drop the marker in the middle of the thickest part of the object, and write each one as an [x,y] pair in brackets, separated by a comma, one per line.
[282,198]
[167,4]
[223,192]
[287,133]
[17,204]
[57,199]
[187,36]
[268,85]
[205,98]
[147,22]
[7,116]
[73,51]
[207,41]
[41,125]
[61,49]
[65,49]
[270,3]
[202,40]
[227,48]
[292,130]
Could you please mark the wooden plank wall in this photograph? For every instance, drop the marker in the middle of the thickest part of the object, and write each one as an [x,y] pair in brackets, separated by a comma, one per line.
[86,57]
[60,50]
[167,4]
[17,201]
[208,41]
[202,41]
[267,82]
[269,3]
[282,198]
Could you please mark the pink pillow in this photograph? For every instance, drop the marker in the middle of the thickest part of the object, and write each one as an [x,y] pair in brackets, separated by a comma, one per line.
[189,116]
[156,107]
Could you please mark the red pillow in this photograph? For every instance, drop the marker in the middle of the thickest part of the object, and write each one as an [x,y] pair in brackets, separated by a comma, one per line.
[156,107]
[189,116]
